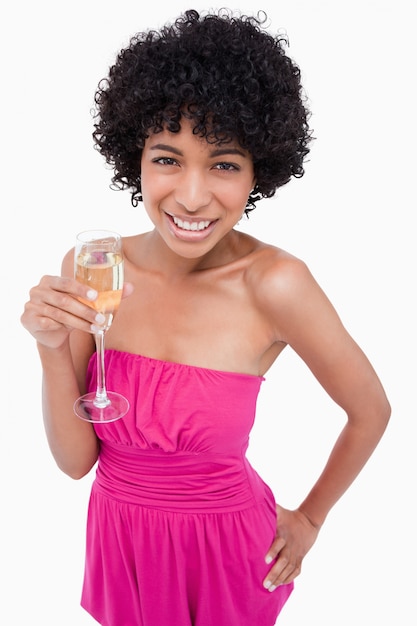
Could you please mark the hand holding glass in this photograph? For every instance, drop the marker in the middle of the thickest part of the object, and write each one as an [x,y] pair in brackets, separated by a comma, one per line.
[98,261]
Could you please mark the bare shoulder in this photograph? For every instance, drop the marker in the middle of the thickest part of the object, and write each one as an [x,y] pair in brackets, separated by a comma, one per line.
[285,292]
[67,265]
[134,248]
[275,271]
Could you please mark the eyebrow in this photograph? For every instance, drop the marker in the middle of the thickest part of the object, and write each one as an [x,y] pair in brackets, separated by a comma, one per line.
[215,153]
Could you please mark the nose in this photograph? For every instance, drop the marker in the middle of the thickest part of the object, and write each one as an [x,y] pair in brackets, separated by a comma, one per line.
[193,191]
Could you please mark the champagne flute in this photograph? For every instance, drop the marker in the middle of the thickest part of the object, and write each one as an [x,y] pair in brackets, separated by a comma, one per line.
[98,263]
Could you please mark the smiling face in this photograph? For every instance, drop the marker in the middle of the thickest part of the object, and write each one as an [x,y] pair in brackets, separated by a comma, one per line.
[193,191]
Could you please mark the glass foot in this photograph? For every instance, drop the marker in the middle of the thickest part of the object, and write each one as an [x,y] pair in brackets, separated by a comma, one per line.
[89,409]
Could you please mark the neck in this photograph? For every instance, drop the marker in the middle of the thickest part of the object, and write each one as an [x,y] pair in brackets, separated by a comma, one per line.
[163,259]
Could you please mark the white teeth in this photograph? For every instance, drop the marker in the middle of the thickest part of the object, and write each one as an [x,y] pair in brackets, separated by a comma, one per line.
[190,225]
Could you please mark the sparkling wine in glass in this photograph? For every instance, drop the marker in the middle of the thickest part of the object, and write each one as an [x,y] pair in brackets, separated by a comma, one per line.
[98,262]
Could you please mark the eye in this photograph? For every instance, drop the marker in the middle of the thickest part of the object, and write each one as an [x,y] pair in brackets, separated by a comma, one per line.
[165,161]
[227,167]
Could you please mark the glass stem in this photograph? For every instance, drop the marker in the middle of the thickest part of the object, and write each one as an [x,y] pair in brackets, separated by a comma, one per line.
[101,400]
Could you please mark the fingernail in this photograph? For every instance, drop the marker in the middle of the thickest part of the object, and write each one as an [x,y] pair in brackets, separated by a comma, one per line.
[267,584]
[100,318]
[92,294]
[268,559]
[272,588]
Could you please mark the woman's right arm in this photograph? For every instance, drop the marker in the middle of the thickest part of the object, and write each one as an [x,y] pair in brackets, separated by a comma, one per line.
[61,325]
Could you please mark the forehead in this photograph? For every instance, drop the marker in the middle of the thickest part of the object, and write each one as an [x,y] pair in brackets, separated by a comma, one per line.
[186,138]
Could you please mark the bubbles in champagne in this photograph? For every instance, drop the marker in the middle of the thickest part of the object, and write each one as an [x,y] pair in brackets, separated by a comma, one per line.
[102,271]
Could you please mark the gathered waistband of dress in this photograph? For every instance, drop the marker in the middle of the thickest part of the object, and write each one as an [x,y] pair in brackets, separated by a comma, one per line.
[174,481]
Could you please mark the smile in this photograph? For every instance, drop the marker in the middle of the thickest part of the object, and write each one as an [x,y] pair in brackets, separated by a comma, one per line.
[190,225]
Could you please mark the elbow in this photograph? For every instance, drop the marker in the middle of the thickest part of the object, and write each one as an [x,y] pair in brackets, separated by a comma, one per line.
[381,418]
[76,464]
[77,475]
[77,471]
[387,414]
[372,420]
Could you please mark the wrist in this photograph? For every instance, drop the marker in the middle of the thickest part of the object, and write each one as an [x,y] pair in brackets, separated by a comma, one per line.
[48,353]
[314,519]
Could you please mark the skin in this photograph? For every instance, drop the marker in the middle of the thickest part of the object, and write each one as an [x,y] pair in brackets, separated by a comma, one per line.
[188,294]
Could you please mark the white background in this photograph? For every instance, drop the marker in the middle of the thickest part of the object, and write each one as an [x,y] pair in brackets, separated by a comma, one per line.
[350,218]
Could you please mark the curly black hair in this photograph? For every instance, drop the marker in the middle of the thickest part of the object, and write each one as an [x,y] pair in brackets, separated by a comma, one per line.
[222,71]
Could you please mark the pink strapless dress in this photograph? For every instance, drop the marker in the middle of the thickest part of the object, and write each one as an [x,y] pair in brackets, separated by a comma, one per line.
[179,522]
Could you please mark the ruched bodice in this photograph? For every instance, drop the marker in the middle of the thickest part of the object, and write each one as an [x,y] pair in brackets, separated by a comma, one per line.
[178,408]
[188,426]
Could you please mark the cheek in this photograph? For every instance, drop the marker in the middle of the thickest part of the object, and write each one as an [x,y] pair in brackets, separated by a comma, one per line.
[154,177]
[237,197]
[150,196]
[153,189]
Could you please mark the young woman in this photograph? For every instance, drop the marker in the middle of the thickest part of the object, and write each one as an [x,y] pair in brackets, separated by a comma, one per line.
[199,121]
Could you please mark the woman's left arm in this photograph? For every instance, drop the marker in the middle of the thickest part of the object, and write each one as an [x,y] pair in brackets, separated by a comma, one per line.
[307,321]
